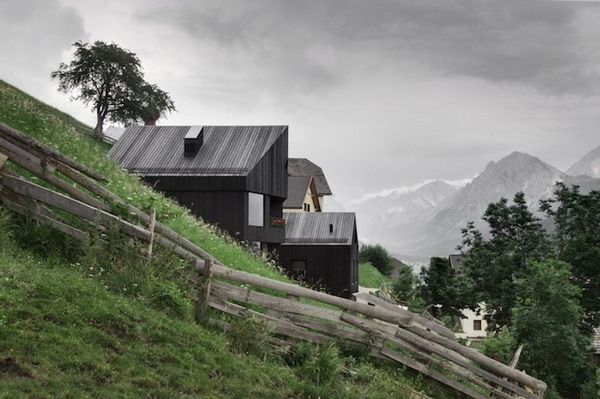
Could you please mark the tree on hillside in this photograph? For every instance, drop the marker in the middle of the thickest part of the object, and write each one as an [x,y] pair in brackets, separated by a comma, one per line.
[406,289]
[493,264]
[441,288]
[150,104]
[546,319]
[111,79]
[378,257]
[577,240]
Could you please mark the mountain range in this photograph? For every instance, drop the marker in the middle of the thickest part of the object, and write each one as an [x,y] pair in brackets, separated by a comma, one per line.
[427,221]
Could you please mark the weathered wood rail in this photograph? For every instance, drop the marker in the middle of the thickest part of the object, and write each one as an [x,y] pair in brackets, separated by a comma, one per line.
[387,331]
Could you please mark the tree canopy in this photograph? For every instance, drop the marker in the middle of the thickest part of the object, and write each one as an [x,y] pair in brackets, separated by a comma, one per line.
[111,79]
[576,218]
[493,264]
[441,288]
[546,319]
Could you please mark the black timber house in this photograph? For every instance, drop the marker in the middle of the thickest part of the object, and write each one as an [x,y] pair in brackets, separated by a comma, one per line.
[234,177]
[322,248]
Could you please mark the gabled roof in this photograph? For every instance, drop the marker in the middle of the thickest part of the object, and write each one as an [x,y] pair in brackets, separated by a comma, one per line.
[304,167]
[297,188]
[226,150]
[314,228]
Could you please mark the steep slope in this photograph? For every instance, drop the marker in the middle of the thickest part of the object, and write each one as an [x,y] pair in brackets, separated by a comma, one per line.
[99,321]
[589,165]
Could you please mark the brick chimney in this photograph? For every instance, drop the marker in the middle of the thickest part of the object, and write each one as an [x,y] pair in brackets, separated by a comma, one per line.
[150,121]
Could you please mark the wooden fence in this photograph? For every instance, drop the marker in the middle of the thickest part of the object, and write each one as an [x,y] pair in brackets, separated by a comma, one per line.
[387,331]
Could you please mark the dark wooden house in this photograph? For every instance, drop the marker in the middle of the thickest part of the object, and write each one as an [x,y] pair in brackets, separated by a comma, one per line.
[232,176]
[323,249]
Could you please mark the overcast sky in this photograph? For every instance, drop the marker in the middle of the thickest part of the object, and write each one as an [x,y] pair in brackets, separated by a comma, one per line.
[381,94]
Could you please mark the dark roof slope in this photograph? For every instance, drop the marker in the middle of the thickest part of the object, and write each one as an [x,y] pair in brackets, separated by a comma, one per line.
[304,167]
[313,228]
[226,150]
[297,187]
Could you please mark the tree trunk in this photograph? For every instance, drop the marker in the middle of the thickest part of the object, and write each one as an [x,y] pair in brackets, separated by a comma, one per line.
[99,129]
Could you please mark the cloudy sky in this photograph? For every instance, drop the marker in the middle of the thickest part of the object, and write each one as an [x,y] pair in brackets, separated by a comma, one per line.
[382,94]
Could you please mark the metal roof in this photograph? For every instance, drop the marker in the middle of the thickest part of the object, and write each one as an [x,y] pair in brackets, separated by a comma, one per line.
[226,150]
[304,167]
[313,228]
[596,341]
[297,188]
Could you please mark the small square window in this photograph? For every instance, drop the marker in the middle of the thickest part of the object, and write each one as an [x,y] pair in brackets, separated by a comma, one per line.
[477,325]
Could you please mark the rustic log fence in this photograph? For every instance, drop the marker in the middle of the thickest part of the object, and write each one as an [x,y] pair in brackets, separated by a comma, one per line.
[387,331]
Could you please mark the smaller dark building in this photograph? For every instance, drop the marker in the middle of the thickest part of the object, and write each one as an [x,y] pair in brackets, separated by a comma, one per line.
[323,249]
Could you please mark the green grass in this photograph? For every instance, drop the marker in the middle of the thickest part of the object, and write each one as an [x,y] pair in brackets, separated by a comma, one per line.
[72,138]
[101,322]
[369,276]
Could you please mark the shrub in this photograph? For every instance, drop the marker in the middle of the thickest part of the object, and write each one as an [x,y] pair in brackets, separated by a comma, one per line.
[249,336]
[378,257]
[316,364]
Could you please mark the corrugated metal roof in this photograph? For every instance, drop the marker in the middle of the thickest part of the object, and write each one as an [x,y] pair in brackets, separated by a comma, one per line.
[297,188]
[304,167]
[313,228]
[226,151]
[596,341]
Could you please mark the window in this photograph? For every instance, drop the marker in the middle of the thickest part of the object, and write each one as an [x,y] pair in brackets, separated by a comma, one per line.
[476,325]
[256,210]
[299,267]
[306,207]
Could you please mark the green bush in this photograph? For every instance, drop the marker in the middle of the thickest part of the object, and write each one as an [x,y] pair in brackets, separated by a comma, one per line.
[500,347]
[249,336]
[378,257]
[319,365]
[166,296]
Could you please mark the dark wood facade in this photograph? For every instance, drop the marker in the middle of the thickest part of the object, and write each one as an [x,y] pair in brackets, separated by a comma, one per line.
[333,267]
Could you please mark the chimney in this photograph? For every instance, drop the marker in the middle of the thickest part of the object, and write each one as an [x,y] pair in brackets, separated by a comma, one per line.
[150,121]
[330,228]
[193,140]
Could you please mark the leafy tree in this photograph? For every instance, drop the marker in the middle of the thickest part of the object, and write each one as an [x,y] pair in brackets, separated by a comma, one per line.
[441,287]
[577,240]
[546,319]
[403,287]
[493,264]
[111,79]
[150,104]
[378,257]
[406,288]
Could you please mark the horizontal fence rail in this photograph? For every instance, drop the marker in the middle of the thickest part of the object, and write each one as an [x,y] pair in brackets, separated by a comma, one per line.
[292,313]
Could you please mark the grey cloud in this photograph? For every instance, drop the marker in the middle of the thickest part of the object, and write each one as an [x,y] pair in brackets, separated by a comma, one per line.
[532,42]
[34,36]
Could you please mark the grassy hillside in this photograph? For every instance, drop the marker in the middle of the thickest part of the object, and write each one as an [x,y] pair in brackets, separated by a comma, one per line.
[99,322]
[369,276]
[72,138]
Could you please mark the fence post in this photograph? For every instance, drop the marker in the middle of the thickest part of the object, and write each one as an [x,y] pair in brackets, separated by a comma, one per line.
[151,229]
[205,274]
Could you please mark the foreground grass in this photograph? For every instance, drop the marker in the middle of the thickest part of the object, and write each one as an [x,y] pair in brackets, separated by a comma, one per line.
[369,276]
[67,335]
